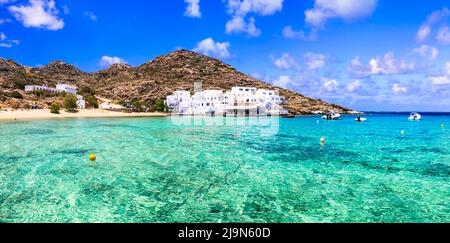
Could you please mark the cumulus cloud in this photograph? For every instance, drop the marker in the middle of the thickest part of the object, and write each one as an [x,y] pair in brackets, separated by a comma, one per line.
[6,1]
[315,61]
[211,48]
[443,35]
[386,65]
[329,85]
[193,9]
[90,15]
[239,9]
[443,79]
[353,86]
[261,7]
[284,62]
[282,81]
[290,33]
[4,21]
[311,60]
[435,18]
[5,43]
[398,89]
[345,9]
[107,61]
[38,14]
[239,25]
[428,52]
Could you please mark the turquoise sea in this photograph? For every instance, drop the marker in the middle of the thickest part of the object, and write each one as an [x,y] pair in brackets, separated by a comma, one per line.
[226,170]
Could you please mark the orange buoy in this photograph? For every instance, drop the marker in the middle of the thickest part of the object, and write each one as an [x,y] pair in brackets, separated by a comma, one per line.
[322,141]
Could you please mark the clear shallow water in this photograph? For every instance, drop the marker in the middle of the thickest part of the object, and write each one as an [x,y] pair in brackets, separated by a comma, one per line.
[151,170]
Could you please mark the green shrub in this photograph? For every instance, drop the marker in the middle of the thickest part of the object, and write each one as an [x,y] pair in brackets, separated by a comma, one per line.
[85,91]
[54,108]
[160,106]
[70,103]
[137,106]
[91,101]
[39,93]
[16,95]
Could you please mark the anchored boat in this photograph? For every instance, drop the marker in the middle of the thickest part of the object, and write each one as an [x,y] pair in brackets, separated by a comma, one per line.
[332,116]
[415,116]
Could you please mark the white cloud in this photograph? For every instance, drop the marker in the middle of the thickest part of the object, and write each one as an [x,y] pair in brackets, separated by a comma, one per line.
[239,9]
[398,89]
[38,14]
[261,7]
[4,21]
[440,80]
[282,81]
[426,28]
[329,85]
[290,33]
[238,25]
[284,62]
[315,61]
[345,9]
[66,9]
[443,79]
[353,86]
[107,61]
[90,15]
[386,65]
[443,35]
[428,52]
[423,33]
[5,43]
[193,9]
[6,1]
[215,49]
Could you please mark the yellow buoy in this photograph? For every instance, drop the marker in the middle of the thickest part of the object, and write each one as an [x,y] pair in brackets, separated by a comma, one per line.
[402,132]
[92,157]
[442,125]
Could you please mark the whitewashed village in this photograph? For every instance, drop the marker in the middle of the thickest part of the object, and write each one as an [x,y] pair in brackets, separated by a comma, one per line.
[239,101]
[60,88]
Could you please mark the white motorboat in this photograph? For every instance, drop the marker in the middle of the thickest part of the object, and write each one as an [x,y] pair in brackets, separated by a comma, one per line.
[415,116]
[361,119]
[332,116]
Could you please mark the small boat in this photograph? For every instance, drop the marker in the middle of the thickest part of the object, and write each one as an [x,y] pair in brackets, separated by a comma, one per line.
[361,119]
[332,116]
[415,116]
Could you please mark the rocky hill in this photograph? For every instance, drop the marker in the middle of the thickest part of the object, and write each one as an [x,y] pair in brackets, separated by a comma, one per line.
[147,83]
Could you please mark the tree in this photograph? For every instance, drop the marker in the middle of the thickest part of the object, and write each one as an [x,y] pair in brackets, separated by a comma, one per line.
[160,106]
[54,108]
[16,95]
[70,103]
[136,106]
[92,101]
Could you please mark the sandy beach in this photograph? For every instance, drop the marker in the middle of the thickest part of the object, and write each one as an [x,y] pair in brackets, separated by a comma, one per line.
[45,114]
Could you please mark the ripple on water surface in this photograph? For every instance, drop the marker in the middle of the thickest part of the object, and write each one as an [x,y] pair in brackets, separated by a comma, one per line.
[151,170]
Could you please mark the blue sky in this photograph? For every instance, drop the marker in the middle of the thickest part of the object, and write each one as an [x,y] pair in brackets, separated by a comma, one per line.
[369,55]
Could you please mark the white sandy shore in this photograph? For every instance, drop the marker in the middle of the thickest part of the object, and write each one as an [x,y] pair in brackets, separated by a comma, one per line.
[45,114]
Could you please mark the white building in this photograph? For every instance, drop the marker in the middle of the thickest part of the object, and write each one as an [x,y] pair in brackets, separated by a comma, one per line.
[59,88]
[69,89]
[66,88]
[31,88]
[81,103]
[240,101]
